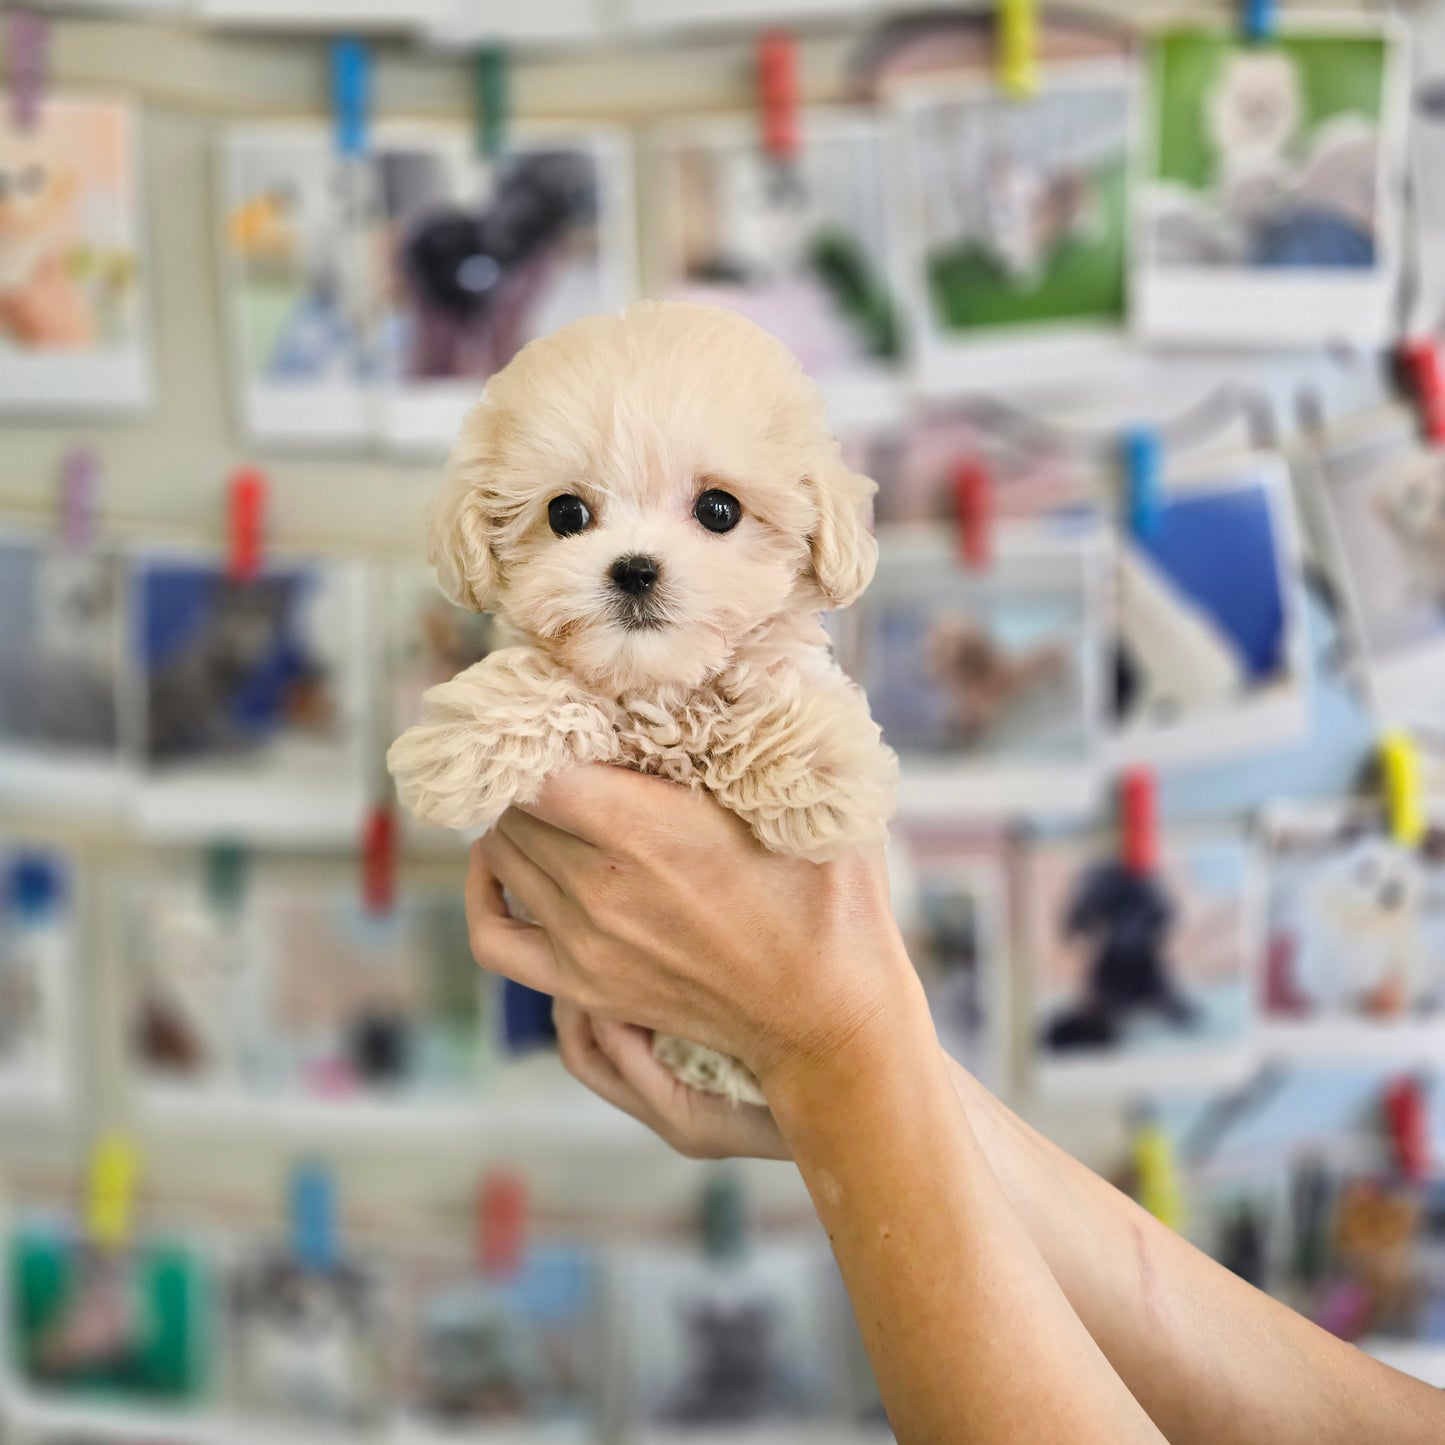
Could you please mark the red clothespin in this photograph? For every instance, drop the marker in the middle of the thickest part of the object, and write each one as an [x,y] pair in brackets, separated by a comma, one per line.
[1139,817]
[1406,1118]
[28,38]
[1422,369]
[247,504]
[973,507]
[778,94]
[502,1223]
[378,861]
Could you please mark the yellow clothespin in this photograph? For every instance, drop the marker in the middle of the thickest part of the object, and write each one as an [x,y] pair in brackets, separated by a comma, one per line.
[1157,1173]
[1400,770]
[1018,44]
[111,1197]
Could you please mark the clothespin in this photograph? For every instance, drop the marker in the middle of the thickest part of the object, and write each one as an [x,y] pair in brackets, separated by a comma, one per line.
[78,472]
[110,1193]
[1407,1121]
[1259,20]
[32,888]
[1400,775]
[1139,820]
[973,506]
[777,61]
[1156,1172]
[1422,370]
[225,881]
[351,94]
[1018,44]
[28,41]
[247,506]
[1143,480]
[724,1218]
[313,1216]
[491,77]
[378,861]
[502,1223]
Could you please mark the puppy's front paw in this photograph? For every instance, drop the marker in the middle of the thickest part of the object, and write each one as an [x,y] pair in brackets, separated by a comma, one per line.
[449,779]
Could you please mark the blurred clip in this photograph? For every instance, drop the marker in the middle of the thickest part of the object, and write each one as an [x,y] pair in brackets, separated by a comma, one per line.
[973,506]
[1018,47]
[1139,820]
[777,61]
[724,1218]
[502,1223]
[1260,22]
[313,1216]
[78,472]
[28,42]
[350,94]
[1422,373]
[247,508]
[492,81]
[1156,1172]
[225,878]
[110,1199]
[378,861]
[1143,480]
[1407,1122]
[1400,775]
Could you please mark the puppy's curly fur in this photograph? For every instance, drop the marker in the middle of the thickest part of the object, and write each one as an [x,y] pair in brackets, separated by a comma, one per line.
[720,676]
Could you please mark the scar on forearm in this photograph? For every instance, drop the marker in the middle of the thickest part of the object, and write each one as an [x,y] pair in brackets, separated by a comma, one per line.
[1148,1278]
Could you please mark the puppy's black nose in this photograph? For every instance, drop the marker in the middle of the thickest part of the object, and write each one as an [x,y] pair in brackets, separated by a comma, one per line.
[636,576]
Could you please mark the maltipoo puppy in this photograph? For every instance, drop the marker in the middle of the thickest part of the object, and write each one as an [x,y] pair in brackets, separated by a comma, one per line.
[652,504]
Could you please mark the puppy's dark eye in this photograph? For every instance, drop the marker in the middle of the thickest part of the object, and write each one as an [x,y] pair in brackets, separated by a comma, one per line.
[718,511]
[568,514]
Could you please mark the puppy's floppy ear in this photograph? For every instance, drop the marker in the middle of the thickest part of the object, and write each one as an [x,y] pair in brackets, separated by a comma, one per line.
[844,551]
[458,532]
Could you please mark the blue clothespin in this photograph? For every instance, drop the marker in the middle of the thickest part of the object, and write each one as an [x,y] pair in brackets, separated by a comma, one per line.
[313,1216]
[1144,480]
[1260,20]
[351,94]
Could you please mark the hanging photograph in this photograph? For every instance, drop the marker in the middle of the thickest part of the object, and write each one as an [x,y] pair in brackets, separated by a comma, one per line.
[1272,205]
[301,284]
[1354,959]
[72,271]
[1211,656]
[1141,980]
[61,675]
[253,699]
[987,682]
[483,256]
[801,246]
[1017,219]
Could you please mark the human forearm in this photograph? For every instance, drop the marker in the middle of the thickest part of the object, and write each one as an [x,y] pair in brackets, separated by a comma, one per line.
[1211,1358]
[970,1336]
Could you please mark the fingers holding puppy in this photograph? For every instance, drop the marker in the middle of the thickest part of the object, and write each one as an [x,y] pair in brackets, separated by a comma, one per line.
[500,943]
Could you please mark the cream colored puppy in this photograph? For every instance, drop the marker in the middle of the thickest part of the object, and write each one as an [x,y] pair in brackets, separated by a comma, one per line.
[652,503]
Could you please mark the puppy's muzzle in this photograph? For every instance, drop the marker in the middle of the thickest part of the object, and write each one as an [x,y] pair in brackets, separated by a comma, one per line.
[635,576]
[636,603]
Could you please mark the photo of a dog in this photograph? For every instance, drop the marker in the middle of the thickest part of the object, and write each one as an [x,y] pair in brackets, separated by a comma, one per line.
[652,502]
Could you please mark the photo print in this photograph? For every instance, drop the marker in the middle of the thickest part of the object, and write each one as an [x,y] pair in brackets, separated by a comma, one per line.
[487,1354]
[298,234]
[72,271]
[60,675]
[1018,216]
[1271,208]
[1354,954]
[1141,981]
[950,895]
[800,248]
[40,942]
[483,256]
[253,699]
[1211,655]
[988,683]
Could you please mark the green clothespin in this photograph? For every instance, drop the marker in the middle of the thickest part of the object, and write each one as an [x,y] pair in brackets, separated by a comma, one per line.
[492,77]
[724,1219]
[225,877]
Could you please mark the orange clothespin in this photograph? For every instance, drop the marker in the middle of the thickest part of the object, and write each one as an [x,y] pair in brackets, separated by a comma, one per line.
[1408,1125]
[1422,369]
[777,60]
[1139,818]
[378,861]
[247,505]
[973,506]
[502,1223]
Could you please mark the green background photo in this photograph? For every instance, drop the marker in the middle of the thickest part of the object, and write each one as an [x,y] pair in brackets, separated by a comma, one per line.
[1339,75]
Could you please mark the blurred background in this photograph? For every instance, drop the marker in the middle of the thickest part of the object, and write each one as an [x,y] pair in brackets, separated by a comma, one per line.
[1133,311]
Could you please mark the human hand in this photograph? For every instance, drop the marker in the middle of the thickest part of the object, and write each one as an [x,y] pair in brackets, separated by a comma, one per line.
[616,1062]
[656,907]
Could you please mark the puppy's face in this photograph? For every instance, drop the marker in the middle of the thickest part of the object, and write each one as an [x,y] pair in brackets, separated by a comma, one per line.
[640,494]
